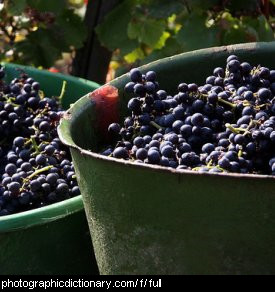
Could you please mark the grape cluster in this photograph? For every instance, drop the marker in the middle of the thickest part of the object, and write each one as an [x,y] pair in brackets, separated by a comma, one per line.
[35,167]
[225,125]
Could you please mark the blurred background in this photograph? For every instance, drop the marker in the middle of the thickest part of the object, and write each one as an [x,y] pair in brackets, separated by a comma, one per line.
[102,39]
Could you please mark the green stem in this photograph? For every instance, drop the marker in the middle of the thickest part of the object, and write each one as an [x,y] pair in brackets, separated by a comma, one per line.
[63,89]
[154,124]
[41,94]
[38,171]
[235,130]
[43,169]
[227,102]
[41,114]
[209,164]
[240,153]
[231,128]
[34,144]
[220,168]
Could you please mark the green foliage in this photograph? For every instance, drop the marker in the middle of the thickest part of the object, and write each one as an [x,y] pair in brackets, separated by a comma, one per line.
[140,31]
[164,9]
[113,31]
[146,31]
[16,7]
[195,26]
[37,32]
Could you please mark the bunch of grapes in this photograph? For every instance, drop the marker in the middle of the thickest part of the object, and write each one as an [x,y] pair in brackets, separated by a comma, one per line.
[225,125]
[35,167]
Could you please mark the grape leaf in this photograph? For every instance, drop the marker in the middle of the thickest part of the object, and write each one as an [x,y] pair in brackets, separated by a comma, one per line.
[261,25]
[240,34]
[69,30]
[148,32]
[164,8]
[55,6]
[243,5]
[161,42]
[15,7]
[195,35]
[172,47]
[202,4]
[135,55]
[112,32]
[39,49]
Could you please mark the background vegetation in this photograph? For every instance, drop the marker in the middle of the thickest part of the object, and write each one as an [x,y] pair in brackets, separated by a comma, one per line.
[152,29]
[37,32]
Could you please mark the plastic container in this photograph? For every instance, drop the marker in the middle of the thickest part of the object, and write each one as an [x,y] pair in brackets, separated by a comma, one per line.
[55,239]
[147,219]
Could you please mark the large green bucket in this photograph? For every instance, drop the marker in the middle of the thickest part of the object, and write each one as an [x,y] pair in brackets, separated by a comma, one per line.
[152,220]
[55,239]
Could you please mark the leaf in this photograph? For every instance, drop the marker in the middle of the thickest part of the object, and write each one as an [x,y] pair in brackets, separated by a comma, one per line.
[164,8]
[16,7]
[262,26]
[148,32]
[172,47]
[112,32]
[55,6]
[240,34]
[227,20]
[69,30]
[161,42]
[39,49]
[195,35]
[202,4]
[240,6]
[135,55]
[76,3]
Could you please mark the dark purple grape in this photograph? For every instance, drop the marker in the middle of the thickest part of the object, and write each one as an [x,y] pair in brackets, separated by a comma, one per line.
[10,169]
[141,154]
[120,152]
[135,75]
[14,188]
[153,156]
[35,185]
[41,159]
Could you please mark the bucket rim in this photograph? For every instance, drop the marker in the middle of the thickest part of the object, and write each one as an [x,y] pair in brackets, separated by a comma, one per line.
[39,216]
[66,122]
[47,73]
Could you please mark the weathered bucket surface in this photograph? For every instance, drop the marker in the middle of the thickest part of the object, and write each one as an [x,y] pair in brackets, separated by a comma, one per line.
[52,240]
[153,220]
[55,239]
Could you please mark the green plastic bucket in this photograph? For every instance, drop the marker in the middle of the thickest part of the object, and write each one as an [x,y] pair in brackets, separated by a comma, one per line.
[55,239]
[152,220]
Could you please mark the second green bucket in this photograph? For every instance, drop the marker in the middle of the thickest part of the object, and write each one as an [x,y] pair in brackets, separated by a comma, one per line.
[52,240]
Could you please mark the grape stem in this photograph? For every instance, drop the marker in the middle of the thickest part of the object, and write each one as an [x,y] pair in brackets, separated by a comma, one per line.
[209,164]
[63,89]
[41,94]
[43,169]
[154,124]
[38,171]
[43,111]
[35,144]
[235,130]
[226,102]
[240,153]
